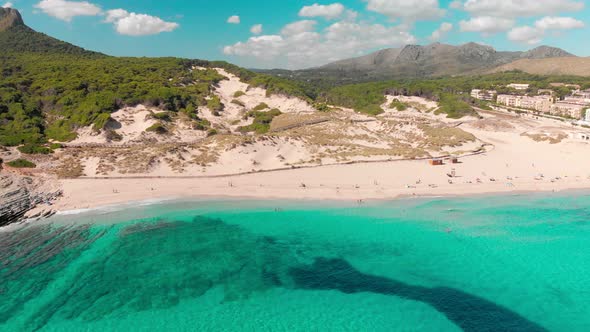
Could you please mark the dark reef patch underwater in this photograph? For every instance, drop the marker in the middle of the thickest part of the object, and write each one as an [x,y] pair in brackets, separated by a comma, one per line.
[72,276]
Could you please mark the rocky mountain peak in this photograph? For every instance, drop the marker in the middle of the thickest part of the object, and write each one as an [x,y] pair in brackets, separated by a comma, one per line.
[10,18]
[544,51]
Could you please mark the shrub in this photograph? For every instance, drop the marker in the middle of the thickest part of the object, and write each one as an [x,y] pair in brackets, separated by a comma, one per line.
[260,107]
[322,107]
[238,94]
[201,124]
[34,149]
[112,135]
[215,105]
[101,121]
[21,163]
[211,132]
[55,146]
[60,131]
[261,123]
[237,102]
[163,116]
[454,107]
[398,105]
[157,128]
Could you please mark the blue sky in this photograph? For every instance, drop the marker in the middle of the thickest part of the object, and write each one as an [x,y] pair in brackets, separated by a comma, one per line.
[301,33]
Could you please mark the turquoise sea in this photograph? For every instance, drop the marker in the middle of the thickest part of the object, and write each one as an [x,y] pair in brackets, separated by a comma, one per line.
[510,263]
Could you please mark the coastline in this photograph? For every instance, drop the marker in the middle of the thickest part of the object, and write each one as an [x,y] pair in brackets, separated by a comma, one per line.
[107,208]
[514,164]
[389,181]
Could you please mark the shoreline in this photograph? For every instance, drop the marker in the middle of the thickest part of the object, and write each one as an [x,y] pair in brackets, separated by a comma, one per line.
[333,201]
[285,185]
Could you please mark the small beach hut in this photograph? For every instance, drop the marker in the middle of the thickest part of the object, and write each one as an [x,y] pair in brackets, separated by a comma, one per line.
[454,160]
[435,162]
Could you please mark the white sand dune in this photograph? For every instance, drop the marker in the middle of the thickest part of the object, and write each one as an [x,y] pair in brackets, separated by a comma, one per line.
[516,163]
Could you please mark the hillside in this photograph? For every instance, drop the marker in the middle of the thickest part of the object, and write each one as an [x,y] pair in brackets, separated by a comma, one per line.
[562,66]
[49,88]
[15,36]
[415,61]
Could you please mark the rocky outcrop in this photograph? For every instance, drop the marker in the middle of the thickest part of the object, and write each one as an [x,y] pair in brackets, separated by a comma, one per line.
[19,195]
[544,52]
[9,18]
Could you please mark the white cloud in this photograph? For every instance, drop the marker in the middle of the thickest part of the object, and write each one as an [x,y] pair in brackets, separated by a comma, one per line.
[522,8]
[558,23]
[526,35]
[300,45]
[327,11]
[234,19]
[441,32]
[256,29]
[534,35]
[407,9]
[456,5]
[115,15]
[8,5]
[66,10]
[486,24]
[133,24]
[298,27]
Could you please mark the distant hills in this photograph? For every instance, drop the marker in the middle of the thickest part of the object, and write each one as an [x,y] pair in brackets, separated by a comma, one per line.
[439,60]
[15,36]
[576,66]
[413,61]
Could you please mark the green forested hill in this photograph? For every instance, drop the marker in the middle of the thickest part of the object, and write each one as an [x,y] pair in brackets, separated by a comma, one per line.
[49,95]
[49,88]
[15,36]
[25,39]
[46,96]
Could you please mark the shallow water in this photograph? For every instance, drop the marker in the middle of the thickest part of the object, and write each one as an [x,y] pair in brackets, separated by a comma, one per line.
[516,263]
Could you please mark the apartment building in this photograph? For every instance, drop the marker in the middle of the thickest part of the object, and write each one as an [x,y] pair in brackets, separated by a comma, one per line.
[518,86]
[536,103]
[568,110]
[483,94]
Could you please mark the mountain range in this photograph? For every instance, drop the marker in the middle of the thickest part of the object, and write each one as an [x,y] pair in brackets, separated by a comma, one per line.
[437,60]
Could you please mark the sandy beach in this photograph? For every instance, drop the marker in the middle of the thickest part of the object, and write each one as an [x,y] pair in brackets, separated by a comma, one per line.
[503,169]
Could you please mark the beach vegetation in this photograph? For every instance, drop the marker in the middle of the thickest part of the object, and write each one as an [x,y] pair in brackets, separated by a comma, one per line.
[454,106]
[34,149]
[322,107]
[260,107]
[21,163]
[238,102]
[215,105]
[113,136]
[162,116]
[261,122]
[398,105]
[157,128]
